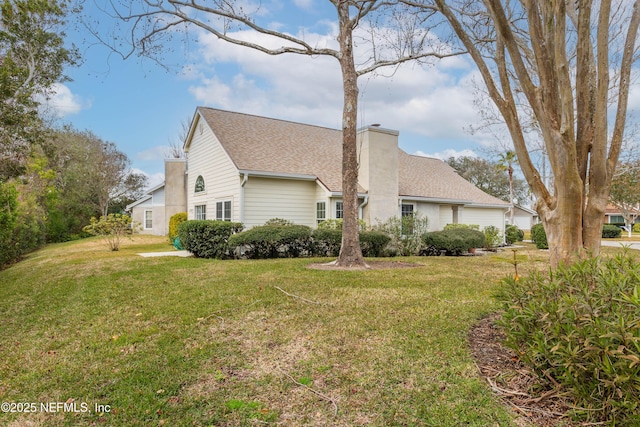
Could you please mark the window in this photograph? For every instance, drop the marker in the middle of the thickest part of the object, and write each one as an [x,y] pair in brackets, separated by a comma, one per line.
[223,210]
[407,219]
[201,212]
[199,184]
[148,220]
[321,211]
[339,210]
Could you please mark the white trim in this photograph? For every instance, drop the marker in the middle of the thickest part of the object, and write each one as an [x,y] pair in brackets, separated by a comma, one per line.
[278,175]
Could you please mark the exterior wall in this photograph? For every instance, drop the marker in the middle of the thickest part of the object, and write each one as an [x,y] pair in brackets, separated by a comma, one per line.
[522,220]
[432,212]
[378,172]
[175,189]
[156,204]
[484,217]
[293,200]
[221,178]
[445,216]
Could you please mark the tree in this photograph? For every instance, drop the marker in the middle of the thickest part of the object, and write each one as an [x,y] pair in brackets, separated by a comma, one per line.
[625,192]
[401,40]
[505,163]
[32,59]
[482,173]
[561,62]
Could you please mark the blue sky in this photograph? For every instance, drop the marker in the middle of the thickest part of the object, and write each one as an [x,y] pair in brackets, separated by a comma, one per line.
[140,106]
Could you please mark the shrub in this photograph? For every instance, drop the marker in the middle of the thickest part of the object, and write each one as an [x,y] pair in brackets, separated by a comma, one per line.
[274,241]
[327,241]
[513,234]
[539,236]
[492,237]
[465,226]
[636,228]
[278,221]
[336,224]
[455,241]
[174,222]
[111,228]
[405,233]
[373,243]
[207,238]
[579,327]
[610,231]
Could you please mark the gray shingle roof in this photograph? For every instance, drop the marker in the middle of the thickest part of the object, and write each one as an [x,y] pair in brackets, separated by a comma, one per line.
[275,146]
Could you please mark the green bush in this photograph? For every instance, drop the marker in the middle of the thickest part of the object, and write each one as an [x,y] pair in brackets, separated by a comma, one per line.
[464,226]
[405,234]
[610,231]
[207,238]
[636,228]
[579,327]
[336,224]
[539,236]
[492,237]
[111,229]
[174,222]
[274,241]
[513,234]
[327,241]
[373,243]
[454,241]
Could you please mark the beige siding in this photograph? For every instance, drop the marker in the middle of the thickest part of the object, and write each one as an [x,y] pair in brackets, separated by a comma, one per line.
[483,217]
[221,178]
[446,216]
[432,212]
[267,198]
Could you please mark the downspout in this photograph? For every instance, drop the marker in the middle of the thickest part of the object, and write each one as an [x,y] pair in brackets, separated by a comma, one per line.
[245,178]
[364,203]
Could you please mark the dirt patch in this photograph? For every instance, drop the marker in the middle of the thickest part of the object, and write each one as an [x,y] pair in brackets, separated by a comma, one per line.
[512,381]
[372,265]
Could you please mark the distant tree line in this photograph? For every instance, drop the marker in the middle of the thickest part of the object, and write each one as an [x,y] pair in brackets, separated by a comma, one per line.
[52,180]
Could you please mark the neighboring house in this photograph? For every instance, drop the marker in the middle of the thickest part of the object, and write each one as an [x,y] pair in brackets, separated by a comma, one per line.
[250,169]
[156,207]
[613,215]
[524,218]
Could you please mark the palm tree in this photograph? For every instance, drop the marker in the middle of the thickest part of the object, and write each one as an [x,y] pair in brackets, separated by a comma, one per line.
[505,163]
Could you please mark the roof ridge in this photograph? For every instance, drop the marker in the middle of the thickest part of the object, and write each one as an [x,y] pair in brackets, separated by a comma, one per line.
[268,118]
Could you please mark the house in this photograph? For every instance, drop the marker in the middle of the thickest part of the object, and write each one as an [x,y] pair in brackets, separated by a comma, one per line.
[614,215]
[250,169]
[160,203]
[524,218]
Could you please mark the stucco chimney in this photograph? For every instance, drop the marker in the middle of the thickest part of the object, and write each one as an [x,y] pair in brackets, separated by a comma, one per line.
[175,195]
[378,172]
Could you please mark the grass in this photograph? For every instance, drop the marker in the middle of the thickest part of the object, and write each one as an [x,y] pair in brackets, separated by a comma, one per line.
[192,342]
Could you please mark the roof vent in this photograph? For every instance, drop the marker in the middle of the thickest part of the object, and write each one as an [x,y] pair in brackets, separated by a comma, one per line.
[376,125]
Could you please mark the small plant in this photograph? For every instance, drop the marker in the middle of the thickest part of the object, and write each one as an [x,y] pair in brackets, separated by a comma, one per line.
[492,237]
[463,226]
[174,222]
[578,329]
[610,231]
[278,221]
[513,234]
[336,224]
[111,228]
[405,233]
[539,236]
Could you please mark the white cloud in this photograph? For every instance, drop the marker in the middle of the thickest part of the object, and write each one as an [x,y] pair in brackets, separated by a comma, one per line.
[433,101]
[446,154]
[153,179]
[304,4]
[62,102]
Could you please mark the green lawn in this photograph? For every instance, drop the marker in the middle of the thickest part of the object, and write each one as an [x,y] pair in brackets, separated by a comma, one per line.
[192,342]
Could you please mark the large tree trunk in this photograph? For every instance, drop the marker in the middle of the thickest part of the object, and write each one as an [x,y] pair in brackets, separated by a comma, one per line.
[350,252]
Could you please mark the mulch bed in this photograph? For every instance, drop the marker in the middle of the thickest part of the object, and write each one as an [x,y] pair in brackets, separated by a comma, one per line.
[513,382]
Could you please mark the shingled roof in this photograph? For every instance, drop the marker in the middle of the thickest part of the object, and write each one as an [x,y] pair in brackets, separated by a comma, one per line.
[261,144]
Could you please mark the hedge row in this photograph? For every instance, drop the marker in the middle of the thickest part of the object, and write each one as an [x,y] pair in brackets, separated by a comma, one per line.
[223,239]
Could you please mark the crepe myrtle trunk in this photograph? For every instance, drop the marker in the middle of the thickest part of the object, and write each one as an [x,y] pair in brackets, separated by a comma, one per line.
[350,252]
